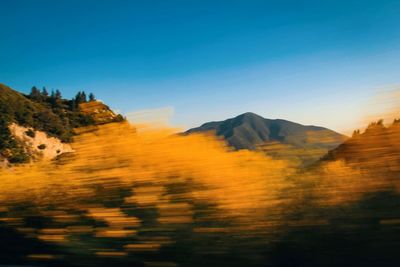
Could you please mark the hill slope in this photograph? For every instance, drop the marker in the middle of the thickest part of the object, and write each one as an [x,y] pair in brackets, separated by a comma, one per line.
[276,137]
[378,147]
[46,114]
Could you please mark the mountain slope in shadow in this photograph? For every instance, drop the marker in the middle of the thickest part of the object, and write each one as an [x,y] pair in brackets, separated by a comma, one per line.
[280,138]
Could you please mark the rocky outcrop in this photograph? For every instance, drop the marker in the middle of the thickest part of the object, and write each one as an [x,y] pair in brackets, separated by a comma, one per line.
[38,144]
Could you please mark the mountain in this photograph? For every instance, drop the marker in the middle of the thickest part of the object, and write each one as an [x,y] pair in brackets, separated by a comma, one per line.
[279,138]
[50,119]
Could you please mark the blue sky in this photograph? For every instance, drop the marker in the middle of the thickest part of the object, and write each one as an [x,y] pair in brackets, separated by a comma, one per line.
[314,62]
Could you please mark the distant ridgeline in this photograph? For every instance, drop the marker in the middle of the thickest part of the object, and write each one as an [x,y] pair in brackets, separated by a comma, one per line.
[48,113]
[281,139]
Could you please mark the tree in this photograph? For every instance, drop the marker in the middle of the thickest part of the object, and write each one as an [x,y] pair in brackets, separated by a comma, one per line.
[35,94]
[5,135]
[45,94]
[356,133]
[83,97]
[55,99]
[92,97]
[58,94]
[72,104]
[80,97]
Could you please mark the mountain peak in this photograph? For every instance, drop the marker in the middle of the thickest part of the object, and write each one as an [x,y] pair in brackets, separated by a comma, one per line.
[251,131]
[249,115]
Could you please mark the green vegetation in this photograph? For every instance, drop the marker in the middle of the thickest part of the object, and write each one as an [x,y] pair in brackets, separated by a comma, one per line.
[9,147]
[41,111]
[51,114]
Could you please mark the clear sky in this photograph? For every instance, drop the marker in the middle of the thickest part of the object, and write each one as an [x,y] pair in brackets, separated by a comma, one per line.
[313,62]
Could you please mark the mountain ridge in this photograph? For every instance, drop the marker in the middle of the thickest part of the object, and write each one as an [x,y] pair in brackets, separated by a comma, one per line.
[227,127]
[254,132]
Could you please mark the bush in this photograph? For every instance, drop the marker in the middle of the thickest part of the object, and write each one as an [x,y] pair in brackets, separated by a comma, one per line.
[119,118]
[18,156]
[30,133]
[42,146]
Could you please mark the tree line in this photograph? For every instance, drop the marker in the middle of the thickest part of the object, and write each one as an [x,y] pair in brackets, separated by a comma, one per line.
[40,110]
[56,100]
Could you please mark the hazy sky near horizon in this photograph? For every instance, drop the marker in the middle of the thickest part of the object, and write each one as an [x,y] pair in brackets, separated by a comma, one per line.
[313,62]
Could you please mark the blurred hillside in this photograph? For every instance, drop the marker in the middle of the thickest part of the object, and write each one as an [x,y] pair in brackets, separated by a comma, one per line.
[377,147]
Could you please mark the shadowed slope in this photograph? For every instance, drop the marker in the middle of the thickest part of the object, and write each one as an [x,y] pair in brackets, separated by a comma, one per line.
[248,130]
[278,138]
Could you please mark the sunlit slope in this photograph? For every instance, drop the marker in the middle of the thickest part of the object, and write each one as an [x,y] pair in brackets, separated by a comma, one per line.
[44,113]
[123,193]
[367,162]
[132,196]
[56,119]
[52,115]
[377,147]
[100,112]
[119,153]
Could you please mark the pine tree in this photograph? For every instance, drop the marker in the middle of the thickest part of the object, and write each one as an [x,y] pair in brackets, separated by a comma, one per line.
[55,99]
[58,94]
[79,98]
[92,97]
[45,94]
[35,94]
[83,97]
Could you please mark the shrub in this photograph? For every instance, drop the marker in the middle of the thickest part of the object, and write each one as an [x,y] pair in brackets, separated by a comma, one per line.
[42,146]
[119,118]
[30,133]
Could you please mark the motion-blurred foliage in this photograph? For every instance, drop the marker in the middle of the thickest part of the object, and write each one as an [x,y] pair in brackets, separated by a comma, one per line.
[141,196]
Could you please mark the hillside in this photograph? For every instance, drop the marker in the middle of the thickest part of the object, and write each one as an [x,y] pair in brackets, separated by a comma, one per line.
[99,112]
[42,113]
[378,147]
[279,138]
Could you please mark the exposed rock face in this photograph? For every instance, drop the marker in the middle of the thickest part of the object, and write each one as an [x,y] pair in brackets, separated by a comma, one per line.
[38,143]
